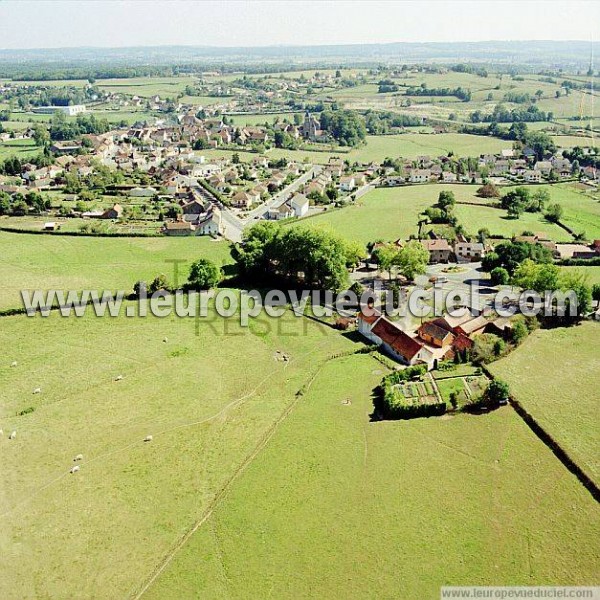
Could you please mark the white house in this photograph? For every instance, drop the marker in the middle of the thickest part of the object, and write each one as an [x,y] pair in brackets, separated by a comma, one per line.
[420,175]
[299,204]
[533,176]
[347,184]
[469,251]
[211,224]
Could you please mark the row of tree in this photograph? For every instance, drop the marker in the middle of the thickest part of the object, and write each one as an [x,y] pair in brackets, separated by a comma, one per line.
[314,257]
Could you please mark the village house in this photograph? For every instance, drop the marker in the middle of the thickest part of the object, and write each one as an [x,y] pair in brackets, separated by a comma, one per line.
[314,186]
[193,210]
[335,166]
[394,341]
[544,167]
[580,251]
[439,250]
[65,147]
[448,177]
[532,176]
[437,336]
[473,326]
[299,204]
[178,228]
[211,223]
[276,181]
[469,251]
[243,200]
[348,183]
[280,212]
[112,213]
[419,175]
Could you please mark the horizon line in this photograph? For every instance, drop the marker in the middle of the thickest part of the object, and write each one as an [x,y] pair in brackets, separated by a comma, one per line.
[283,46]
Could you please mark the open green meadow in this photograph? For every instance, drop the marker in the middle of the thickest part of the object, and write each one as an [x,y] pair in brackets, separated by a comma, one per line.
[581,212]
[591,274]
[570,141]
[261,119]
[581,208]
[336,506]
[146,87]
[100,532]
[203,100]
[48,261]
[498,223]
[392,213]
[19,148]
[386,214]
[377,148]
[554,375]
[411,145]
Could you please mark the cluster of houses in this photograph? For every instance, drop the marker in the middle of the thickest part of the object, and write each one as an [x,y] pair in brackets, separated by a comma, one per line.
[441,250]
[434,341]
[508,164]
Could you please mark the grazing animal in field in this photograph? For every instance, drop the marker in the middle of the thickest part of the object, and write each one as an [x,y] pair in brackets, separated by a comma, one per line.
[13,363]
[12,436]
[37,391]
[75,469]
[78,457]
[119,378]
[148,438]
[165,340]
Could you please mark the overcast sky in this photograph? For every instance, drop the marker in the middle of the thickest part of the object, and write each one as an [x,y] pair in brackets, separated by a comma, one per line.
[26,24]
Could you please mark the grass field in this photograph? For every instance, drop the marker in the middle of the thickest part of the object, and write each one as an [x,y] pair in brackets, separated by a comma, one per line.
[207,410]
[261,119]
[581,209]
[145,87]
[411,145]
[377,148]
[338,507]
[494,219]
[19,148]
[45,262]
[393,213]
[75,224]
[592,274]
[554,374]
[570,141]
[386,214]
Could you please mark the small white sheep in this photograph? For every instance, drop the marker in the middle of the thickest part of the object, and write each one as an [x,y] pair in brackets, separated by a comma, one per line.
[13,363]
[37,391]
[12,436]
[148,438]
[165,340]
[75,469]
[78,457]
[119,378]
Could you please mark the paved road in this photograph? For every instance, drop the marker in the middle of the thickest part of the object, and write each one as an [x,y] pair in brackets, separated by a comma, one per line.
[280,197]
[234,225]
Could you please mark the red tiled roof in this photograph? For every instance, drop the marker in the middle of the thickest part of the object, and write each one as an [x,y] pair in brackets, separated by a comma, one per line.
[434,330]
[439,245]
[462,342]
[473,325]
[369,318]
[394,337]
